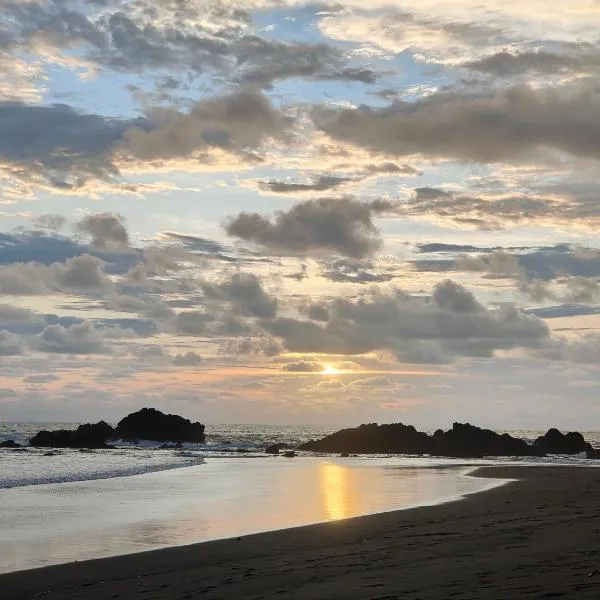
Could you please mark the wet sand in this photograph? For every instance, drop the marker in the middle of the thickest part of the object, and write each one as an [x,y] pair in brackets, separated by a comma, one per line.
[538,537]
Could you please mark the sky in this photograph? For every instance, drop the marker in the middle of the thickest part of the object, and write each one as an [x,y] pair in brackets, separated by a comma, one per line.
[275,211]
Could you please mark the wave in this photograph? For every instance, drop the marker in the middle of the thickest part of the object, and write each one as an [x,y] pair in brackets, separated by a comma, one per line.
[34,467]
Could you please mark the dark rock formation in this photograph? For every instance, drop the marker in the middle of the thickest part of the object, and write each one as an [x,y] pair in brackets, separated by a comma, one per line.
[462,441]
[289,454]
[9,444]
[373,439]
[275,448]
[555,442]
[467,441]
[85,436]
[151,424]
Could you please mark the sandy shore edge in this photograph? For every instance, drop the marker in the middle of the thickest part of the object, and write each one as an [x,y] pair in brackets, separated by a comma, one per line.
[536,535]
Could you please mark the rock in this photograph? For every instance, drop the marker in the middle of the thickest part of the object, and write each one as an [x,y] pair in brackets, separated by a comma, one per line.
[152,424]
[289,454]
[462,441]
[344,455]
[275,448]
[593,453]
[9,444]
[85,436]
[555,442]
[396,438]
[167,446]
[468,441]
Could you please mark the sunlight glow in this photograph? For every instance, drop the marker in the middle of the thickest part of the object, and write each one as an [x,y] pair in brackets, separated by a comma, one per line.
[330,370]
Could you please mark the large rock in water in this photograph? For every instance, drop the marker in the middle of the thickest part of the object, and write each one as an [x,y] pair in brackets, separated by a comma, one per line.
[555,442]
[85,436]
[396,438]
[462,441]
[152,424]
[467,441]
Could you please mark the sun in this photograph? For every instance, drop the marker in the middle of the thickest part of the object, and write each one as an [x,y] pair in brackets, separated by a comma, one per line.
[330,370]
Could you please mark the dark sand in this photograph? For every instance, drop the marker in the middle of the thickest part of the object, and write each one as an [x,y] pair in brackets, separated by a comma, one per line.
[535,538]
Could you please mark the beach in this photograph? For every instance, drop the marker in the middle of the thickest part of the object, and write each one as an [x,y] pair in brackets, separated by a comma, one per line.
[535,537]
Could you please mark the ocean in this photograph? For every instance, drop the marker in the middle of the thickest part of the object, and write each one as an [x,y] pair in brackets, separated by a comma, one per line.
[63,505]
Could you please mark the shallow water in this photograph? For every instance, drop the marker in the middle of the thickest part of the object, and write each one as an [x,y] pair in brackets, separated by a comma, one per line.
[224,497]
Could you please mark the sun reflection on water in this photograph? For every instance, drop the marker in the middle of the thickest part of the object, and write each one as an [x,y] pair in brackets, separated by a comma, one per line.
[335,491]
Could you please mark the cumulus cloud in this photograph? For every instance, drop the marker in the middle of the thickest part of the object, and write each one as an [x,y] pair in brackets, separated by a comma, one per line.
[416,329]
[238,122]
[105,230]
[340,226]
[246,294]
[82,338]
[64,149]
[81,274]
[506,125]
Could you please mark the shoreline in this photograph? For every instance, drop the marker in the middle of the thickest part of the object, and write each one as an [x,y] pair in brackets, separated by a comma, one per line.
[534,535]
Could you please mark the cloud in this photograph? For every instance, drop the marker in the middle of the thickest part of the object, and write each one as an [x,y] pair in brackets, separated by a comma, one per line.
[511,64]
[354,271]
[518,123]
[10,344]
[322,183]
[56,145]
[245,292]
[497,265]
[303,366]
[105,230]
[340,226]
[189,359]
[416,329]
[239,122]
[81,274]
[60,148]
[82,338]
[380,381]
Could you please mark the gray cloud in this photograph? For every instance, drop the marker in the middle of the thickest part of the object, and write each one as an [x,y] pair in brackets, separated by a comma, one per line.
[82,338]
[322,183]
[105,230]
[60,147]
[508,64]
[506,125]
[10,344]
[189,359]
[245,292]
[81,274]
[303,366]
[341,226]
[239,122]
[416,329]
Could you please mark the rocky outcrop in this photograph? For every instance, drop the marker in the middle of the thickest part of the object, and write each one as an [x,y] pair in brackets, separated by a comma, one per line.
[555,442]
[462,441]
[152,424]
[468,441]
[85,436]
[373,439]
[9,444]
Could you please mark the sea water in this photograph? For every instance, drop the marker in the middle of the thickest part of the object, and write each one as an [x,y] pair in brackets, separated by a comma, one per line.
[64,505]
